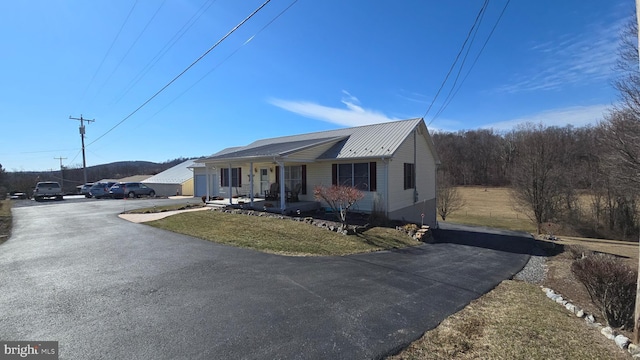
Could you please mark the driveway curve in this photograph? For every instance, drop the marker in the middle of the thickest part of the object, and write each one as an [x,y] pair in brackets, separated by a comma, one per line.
[105,288]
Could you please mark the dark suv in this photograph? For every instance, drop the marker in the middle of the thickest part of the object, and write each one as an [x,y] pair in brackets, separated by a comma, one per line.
[131,190]
[100,190]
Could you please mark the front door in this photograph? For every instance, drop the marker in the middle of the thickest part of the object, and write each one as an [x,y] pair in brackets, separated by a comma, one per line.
[264,181]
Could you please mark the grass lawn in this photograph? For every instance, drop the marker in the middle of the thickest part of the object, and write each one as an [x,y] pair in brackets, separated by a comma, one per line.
[285,237]
[5,220]
[514,321]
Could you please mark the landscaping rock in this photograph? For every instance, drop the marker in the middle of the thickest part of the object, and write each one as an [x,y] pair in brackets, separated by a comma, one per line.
[608,333]
[622,341]
[590,319]
[570,307]
[580,313]
[633,349]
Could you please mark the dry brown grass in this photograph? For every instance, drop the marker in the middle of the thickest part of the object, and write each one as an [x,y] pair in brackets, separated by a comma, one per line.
[5,220]
[492,207]
[514,321]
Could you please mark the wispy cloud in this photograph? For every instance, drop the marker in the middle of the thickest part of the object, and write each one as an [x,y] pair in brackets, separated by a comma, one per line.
[575,115]
[575,59]
[353,115]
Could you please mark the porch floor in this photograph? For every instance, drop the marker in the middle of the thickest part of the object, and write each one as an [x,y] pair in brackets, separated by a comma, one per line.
[261,204]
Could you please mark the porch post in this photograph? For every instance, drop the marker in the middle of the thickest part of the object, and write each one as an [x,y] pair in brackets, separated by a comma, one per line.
[230,187]
[208,180]
[251,183]
[283,195]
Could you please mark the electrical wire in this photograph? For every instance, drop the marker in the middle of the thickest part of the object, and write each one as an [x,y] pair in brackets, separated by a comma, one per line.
[184,71]
[223,60]
[474,61]
[131,47]
[167,46]
[464,60]
[482,9]
[109,50]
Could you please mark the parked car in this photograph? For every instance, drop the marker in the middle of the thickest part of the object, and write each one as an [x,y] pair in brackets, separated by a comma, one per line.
[15,195]
[101,189]
[131,190]
[47,190]
[84,189]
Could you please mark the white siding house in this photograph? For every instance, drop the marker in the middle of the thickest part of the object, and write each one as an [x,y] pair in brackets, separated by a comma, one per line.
[393,163]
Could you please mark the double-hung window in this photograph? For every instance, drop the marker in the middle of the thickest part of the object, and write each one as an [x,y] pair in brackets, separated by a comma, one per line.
[358,175]
[409,176]
[236,176]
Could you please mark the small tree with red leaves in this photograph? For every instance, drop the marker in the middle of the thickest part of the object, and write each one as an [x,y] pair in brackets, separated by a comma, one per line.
[340,199]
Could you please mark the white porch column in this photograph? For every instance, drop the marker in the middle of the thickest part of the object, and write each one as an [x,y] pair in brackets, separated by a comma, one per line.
[208,180]
[283,195]
[251,183]
[230,187]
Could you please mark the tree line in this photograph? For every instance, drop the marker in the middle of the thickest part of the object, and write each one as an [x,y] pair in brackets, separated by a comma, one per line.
[585,179]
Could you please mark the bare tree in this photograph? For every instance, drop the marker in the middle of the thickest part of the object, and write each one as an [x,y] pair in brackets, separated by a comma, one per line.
[537,174]
[340,199]
[449,198]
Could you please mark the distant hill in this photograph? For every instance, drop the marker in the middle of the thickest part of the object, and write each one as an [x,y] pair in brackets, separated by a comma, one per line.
[26,180]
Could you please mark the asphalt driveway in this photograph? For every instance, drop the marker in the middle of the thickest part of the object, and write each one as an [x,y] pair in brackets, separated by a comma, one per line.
[104,288]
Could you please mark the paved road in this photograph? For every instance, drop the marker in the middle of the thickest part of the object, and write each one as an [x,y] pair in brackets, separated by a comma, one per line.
[105,288]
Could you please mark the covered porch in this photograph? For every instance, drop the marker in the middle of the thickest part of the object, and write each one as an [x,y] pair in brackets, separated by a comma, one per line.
[261,204]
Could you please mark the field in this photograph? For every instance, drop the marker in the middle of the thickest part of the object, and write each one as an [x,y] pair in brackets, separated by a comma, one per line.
[492,207]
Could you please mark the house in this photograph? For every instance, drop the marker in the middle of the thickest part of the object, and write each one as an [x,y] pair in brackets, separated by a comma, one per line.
[393,163]
[177,180]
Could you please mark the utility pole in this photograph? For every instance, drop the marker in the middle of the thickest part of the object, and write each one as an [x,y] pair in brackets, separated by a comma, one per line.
[636,326]
[84,159]
[61,173]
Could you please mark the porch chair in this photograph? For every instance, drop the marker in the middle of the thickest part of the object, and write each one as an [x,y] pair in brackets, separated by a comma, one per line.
[272,193]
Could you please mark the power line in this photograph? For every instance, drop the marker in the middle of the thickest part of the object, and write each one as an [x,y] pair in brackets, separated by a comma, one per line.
[474,61]
[109,50]
[223,60]
[464,60]
[457,57]
[132,46]
[167,46]
[185,70]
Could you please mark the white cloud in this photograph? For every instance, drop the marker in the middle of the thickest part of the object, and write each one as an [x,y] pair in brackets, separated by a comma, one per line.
[353,115]
[575,115]
[575,59]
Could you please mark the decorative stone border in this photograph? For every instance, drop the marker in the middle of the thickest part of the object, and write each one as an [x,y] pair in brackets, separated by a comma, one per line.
[423,234]
[621,341]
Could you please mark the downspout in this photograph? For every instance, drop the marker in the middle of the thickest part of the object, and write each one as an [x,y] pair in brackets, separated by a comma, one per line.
[230,187]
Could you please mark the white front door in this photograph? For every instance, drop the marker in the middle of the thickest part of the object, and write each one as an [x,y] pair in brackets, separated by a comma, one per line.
[264,181]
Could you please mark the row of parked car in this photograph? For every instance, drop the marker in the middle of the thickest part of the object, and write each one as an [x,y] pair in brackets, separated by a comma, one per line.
[117,190]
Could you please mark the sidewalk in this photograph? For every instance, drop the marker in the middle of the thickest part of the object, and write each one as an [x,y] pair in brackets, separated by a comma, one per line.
[141,218]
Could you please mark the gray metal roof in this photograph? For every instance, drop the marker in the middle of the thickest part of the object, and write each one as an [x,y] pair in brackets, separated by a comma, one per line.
[174,175]
[377,140]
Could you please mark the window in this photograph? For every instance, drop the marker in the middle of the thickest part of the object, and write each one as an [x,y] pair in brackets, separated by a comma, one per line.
[409,176]
[292,176]
[359,175]
[236,175]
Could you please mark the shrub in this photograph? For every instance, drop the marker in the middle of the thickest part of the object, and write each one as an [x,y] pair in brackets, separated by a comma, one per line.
[611,286]
[577,252]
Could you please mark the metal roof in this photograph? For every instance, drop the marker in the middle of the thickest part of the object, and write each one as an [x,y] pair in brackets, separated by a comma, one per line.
[377,140]
[173,175]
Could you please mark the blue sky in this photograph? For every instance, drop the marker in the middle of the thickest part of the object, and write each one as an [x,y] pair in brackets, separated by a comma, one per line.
[319,65]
